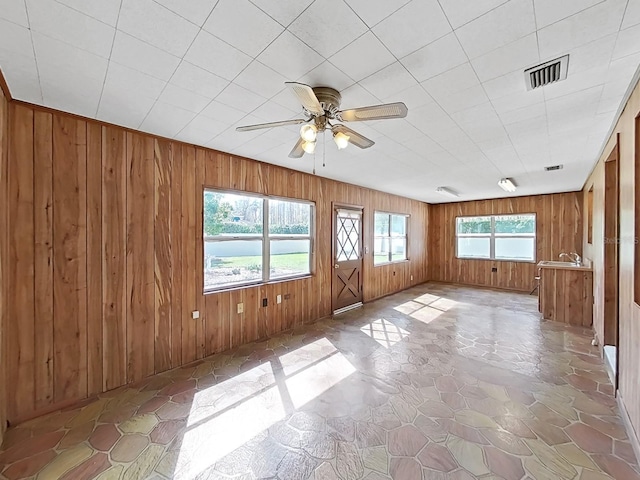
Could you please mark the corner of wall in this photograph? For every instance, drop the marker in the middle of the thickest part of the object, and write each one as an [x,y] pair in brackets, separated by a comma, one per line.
[4,107]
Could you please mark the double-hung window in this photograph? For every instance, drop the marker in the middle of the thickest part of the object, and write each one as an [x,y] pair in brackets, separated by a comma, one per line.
[390,237]
[497,237]
[251,239]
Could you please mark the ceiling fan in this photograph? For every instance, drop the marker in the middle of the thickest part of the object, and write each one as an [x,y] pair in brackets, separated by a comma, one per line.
[321,107]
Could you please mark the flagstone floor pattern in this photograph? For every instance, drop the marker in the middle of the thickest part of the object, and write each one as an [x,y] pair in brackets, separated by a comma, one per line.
[436,382]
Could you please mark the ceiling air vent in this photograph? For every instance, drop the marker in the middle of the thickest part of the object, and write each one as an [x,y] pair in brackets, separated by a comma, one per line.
[553,167]
[546,73]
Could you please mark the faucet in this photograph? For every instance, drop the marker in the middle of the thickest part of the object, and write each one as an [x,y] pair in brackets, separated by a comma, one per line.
[573,257]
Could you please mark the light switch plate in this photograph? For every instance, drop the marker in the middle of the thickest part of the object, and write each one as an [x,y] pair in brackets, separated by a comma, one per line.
[279,299]
[241,308]
[195,314]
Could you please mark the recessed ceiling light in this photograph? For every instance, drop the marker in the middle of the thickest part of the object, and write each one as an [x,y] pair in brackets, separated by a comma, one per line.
[507,185]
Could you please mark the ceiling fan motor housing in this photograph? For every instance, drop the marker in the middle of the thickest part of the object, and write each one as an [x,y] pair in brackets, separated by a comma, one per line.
[329,99]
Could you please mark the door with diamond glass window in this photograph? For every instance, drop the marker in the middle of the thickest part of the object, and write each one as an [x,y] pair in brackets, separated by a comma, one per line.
[347,259]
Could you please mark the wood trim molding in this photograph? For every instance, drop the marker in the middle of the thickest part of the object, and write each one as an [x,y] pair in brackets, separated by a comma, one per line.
[5,87]
[631,433]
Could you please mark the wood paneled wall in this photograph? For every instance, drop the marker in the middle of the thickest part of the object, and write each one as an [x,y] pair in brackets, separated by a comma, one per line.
[629,311]
[4,252]
[106,257]
[558,229]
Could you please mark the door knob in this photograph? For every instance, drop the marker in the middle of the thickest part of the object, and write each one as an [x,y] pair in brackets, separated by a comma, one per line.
[336,266]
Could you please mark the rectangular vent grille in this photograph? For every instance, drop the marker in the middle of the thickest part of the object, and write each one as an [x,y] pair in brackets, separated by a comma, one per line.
[547,73]
[553,167]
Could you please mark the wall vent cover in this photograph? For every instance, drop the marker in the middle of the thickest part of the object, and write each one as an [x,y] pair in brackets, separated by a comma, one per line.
[553,167]
[546,73]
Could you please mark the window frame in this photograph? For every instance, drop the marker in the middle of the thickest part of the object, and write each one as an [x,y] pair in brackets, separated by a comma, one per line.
[265,237]
[492,237]
[407,218]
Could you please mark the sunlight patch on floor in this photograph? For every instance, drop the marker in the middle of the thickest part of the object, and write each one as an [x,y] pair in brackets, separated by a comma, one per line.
[384,332]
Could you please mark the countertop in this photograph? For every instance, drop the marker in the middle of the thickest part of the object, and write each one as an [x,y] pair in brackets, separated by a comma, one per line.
[560,266]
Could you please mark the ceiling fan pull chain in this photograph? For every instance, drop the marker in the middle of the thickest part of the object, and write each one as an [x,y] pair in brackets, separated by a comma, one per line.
[324,148]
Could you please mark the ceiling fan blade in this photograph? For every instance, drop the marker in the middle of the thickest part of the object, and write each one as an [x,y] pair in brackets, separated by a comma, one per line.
[297,151]
[304,94]
[354,137]
[374,112]
[258,126]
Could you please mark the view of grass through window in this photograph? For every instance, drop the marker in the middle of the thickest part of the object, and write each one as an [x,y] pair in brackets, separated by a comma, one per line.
[243,245]
[390,238]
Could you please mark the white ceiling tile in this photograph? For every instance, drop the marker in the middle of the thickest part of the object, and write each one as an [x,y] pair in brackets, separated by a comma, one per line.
[222,113]
[136,54]
[454,80]
[198,80]
[591,55]
[524,113]
[240,98]
[413,97]
[327,75]
[149,21]
[67,25]
[356,96]
[521,54]
[123,108]
[289,56]
[373,12]
[435,58]
[631,15]
[194,135]
[515,101]
[131,83]
[201,123]
[363,57]
[460,12]
[14,11]
[21,74]
[389,81]
[551,11]
[260,79]
[216,56]
[241,24]
[328,26]
[15,40]
[501,26]
[576,82]
[286,99]
[283,12]
[181,97]
[584,27]
[104,10]
[462,99]
[415,25]
[628,42]
[196,11]
[166,120]
[272,112]
[511,83]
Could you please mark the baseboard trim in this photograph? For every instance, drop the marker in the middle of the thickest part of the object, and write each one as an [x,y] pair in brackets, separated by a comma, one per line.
[631,433]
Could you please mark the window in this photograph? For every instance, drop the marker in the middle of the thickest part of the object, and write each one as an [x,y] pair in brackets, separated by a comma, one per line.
[497,237]
[390,238]
[252,239]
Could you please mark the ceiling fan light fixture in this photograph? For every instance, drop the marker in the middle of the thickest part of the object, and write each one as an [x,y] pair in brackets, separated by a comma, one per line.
[309,147]
[341,139]
[309,133]
[507,185]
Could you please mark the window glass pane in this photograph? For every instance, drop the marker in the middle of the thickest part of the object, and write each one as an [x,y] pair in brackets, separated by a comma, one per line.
[289,218]
[227,214]
[289,257]
[398,249]
[515,248]
[478,247]
[473,225]
[381,248]
[381,224]
[398,225]
[347,237]
[516,224]
[233,261]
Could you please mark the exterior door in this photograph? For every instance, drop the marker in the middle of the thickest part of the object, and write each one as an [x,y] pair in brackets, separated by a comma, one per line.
[347,258]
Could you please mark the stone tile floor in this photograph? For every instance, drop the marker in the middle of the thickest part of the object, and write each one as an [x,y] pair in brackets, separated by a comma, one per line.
[436,382]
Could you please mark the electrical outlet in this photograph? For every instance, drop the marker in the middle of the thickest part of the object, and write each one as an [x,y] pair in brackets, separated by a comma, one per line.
[494,269]
[265,302]
[241,308]
[412,278]
[195,314]
[287,296]
[279,299]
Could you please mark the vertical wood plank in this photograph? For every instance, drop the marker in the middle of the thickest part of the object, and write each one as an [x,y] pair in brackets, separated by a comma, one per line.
[114,247]
[176,255]
[94,259]
[198,193]
[162,247]
[20,331]
[43,261]
[69,258]
[140,258]
[189,339]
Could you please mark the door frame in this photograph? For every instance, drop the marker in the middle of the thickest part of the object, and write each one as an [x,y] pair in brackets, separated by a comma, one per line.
[346,206]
